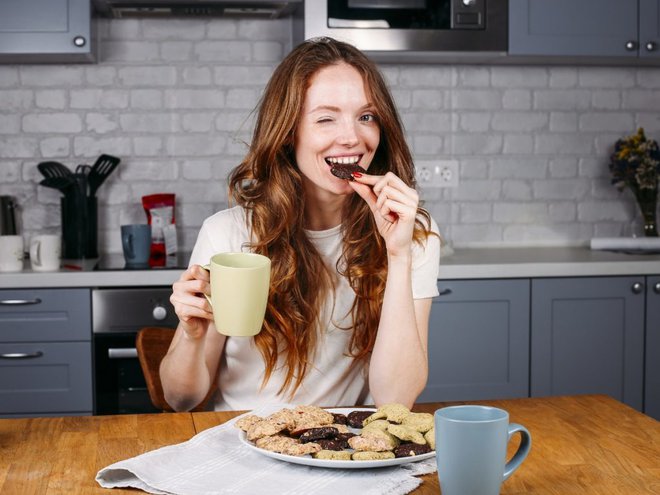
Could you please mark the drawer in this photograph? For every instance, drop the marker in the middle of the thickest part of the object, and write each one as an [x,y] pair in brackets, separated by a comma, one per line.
[56,378]
[45,315]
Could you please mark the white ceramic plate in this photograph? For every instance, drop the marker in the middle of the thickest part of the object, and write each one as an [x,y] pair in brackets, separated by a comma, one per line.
[308,460]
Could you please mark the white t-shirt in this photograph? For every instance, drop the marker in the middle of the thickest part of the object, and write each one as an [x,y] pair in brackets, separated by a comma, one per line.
[329,383]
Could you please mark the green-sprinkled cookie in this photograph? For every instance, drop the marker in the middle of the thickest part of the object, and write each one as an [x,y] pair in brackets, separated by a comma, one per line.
[395,413]
[333,455]
[429,436]
[372,456]
[378,424]
[421,422]
[406,433]
[373,417]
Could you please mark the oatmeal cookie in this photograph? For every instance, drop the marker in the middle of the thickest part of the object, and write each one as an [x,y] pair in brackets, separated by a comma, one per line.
[246,421]
[263,428]
[311,417]
[373,440]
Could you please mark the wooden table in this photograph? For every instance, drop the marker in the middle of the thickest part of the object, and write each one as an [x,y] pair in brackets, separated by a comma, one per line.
[580,445]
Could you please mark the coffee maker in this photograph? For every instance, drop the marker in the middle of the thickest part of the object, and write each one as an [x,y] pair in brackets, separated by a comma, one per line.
[8,217]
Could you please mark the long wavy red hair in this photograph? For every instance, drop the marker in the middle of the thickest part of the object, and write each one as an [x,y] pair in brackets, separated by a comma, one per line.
[269,185]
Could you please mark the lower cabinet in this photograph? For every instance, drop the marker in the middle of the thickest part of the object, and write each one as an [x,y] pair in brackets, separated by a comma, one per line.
[479,341]
[588,337]
[652,381]
[45,352]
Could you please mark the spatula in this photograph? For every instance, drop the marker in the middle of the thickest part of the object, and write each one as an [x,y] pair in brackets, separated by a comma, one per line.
[103,167]
[59,183]
[53,169]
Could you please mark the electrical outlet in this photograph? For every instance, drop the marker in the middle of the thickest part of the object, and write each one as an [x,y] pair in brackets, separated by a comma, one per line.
[437,173]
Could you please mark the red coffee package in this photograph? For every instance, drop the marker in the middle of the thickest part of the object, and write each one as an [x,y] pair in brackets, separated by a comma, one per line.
[160,214]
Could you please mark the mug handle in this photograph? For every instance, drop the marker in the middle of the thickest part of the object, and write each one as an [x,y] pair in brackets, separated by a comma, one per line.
[208,269]
[523,449]
[35,251]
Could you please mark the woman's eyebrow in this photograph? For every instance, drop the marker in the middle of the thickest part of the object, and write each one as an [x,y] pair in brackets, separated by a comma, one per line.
[333,108]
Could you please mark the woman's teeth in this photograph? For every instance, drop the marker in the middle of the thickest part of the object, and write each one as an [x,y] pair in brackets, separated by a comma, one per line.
[344,160]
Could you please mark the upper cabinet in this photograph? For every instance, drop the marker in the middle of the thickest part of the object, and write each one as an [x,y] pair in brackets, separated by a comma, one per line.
[623,29]
[34,31]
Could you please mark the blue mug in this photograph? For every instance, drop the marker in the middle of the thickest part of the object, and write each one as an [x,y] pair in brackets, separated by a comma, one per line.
[470,445]
[136,243]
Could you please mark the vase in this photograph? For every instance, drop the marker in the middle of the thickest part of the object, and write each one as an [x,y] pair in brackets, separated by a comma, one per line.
[647,199]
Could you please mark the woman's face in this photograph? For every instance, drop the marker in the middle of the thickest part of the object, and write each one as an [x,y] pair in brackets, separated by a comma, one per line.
[337,125]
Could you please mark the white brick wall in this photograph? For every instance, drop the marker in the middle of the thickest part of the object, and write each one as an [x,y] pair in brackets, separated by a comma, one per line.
[173,98]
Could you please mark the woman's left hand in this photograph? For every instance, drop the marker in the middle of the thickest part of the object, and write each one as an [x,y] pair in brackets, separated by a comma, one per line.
[394,206]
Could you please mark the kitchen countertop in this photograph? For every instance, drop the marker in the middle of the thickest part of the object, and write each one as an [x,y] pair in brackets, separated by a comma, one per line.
[466,263]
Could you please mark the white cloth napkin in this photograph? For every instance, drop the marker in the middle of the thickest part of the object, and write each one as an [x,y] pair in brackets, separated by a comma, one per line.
[216,462]
[627,243]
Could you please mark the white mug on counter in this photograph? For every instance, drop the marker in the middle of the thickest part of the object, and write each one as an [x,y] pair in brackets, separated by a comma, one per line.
[45,252]
[11,253]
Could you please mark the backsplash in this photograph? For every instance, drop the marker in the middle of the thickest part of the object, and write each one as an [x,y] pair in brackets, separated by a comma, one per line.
[173,98]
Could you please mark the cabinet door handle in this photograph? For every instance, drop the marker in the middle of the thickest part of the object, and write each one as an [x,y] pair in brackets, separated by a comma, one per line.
[650,46]
[445,292]
[637,288]
[656,288]
[631,46]
[19,302]
[21,355]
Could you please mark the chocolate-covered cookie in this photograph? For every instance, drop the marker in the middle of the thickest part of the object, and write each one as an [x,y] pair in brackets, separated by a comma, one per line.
[343,438]
[411,449]
[314,434]
[345,170]
[355,418]
[330,443]
[340,419]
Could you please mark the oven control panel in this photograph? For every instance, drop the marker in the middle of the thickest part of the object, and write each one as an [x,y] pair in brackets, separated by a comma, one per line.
[126,310]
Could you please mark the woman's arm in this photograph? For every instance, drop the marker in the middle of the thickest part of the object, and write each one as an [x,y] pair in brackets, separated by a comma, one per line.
[399,364]
[192,361]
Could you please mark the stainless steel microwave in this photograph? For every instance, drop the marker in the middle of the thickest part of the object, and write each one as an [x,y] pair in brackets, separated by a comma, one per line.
[410,30]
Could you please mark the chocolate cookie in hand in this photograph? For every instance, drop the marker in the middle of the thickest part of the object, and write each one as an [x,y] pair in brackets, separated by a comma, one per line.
[345,170]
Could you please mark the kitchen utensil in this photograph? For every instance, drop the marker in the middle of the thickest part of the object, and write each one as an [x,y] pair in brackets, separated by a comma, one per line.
[59,183]
[99,172]
[8,216]
[53,169]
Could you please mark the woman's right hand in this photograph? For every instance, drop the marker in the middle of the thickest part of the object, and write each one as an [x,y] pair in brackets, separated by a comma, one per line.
[190,305]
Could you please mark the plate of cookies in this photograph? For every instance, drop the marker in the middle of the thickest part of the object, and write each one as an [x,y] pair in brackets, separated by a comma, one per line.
[346,438]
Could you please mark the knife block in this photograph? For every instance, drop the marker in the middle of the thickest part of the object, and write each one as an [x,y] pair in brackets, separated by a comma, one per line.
[79,227]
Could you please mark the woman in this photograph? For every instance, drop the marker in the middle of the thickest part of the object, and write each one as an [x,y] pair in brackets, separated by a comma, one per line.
[354,262]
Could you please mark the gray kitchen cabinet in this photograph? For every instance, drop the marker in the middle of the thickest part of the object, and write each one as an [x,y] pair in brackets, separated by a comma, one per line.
[652,381]
[587,336]
[584,28]
[45,352]
[51,31]
[479,341]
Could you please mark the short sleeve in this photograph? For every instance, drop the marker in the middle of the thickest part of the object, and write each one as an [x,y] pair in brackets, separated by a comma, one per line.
[226,231]
[426,265]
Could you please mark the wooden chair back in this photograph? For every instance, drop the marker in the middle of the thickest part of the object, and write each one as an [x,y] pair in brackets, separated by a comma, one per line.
[152,344]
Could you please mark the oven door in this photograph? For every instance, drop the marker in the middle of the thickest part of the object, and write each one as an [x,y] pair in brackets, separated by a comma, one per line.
[120,387]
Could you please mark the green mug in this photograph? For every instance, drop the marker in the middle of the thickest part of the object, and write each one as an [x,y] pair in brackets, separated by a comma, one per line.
[239,292]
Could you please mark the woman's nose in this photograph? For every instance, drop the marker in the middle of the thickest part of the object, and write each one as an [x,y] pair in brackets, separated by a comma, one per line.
[348,135]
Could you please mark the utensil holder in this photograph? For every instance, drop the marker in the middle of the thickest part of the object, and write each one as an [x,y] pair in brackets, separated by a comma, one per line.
[79,227]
